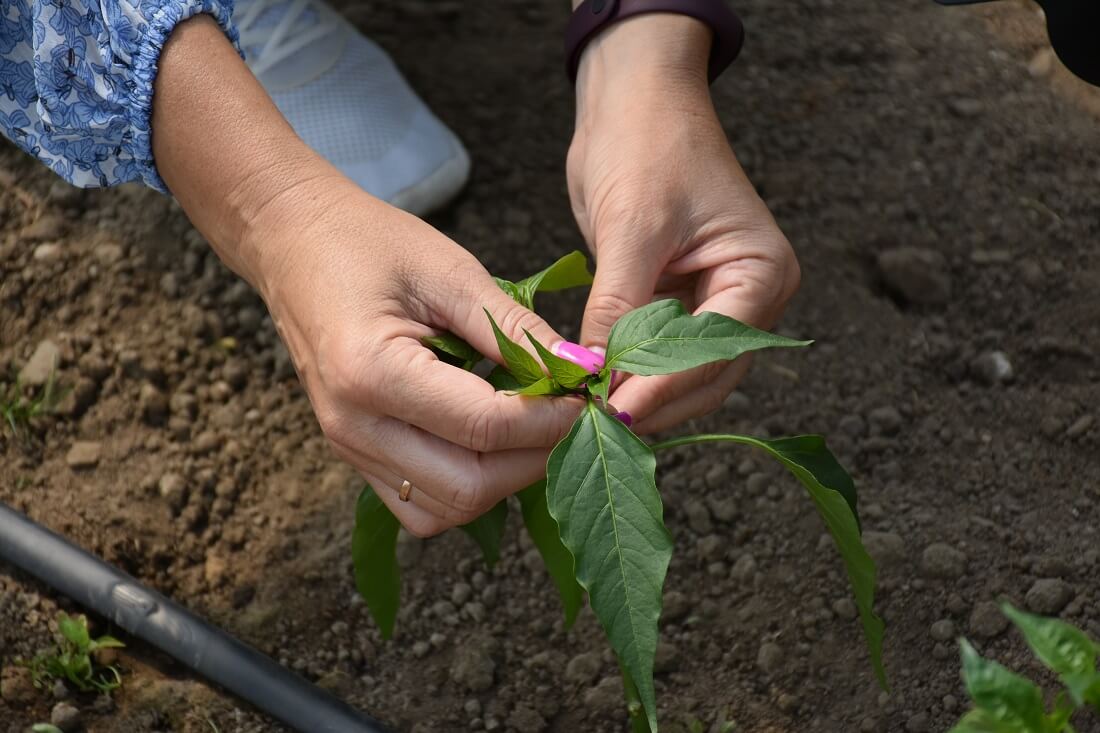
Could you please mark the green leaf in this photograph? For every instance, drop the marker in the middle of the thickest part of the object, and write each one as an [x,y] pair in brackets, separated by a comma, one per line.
[562,371]
[599,386]
[833,493]
[502,380]
[374,552]
[1004,696]
[663,338]
[1063,648]
[513,292]
[570,271]
[75,629]
[982,721]
[448,345]
[487,530]
[106,642]
[522,365]
[543,387]
[543,531]
[602,492]
[45,728]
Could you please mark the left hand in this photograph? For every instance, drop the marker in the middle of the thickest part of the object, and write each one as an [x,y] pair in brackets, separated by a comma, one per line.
[665,207]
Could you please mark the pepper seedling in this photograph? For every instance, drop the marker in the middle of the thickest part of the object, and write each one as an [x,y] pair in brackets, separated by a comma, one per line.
[597,518]
[1005,702]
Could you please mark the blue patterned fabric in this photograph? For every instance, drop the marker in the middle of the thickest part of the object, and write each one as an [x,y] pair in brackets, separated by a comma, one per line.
[76,81]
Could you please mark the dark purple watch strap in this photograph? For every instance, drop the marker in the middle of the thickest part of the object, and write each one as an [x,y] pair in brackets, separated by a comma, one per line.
[592,16]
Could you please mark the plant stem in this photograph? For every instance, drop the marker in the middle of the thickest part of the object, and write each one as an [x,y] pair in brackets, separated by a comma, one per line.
[705,438]
[639,723]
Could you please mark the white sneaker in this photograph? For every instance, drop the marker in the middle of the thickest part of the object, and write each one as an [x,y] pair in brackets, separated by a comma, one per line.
[345,98]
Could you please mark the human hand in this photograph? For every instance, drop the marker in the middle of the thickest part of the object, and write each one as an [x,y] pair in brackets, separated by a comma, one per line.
[352,291]
[666,208]
[352,284]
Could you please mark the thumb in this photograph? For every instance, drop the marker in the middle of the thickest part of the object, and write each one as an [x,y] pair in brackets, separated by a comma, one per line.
[624,281]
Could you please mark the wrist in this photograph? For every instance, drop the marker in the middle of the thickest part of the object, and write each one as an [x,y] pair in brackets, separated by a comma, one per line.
[652,54]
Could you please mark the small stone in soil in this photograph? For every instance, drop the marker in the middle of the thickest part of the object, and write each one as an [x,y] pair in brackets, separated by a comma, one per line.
[676,606]
[1080,426]
[744,569]
[173,489]
[992,368]
[667,657]
[845,608]
[887,549]
[65,716]
[885,420]
[943,630]
[915,274]
[1048,596]
[987,621]
[16,686]
[83,454]
[43,362]
[606,697]
[943,562]
[473,668]
[153,405]
[723,509]
[526,719]
[583,668]
[698,517]
[770,658]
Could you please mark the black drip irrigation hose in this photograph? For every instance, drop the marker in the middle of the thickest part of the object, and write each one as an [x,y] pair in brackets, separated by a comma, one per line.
[151,617]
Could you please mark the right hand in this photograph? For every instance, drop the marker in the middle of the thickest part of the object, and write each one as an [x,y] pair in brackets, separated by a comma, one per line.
[352,285]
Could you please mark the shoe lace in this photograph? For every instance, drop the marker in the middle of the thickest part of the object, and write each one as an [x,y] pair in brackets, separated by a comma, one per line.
[294,31]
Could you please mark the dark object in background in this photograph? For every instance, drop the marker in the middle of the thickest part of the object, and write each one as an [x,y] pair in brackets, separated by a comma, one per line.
[1074,30]
[153,618]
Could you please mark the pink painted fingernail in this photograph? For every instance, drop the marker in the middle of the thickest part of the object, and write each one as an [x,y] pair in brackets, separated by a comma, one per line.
[624,417]
[582,357]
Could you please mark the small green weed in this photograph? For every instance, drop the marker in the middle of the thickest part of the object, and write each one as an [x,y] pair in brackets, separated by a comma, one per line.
[18,410]
[72,658]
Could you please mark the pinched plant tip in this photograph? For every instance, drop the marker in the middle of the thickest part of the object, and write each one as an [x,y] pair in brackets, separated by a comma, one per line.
[597,519]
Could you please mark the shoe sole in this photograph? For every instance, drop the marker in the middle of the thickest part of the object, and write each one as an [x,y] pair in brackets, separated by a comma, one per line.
[440,186]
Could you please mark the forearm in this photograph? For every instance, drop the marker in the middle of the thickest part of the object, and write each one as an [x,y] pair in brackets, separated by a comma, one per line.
[653,58]
[222,146]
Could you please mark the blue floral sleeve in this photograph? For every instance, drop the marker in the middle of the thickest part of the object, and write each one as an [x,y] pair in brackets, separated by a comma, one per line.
[76,81]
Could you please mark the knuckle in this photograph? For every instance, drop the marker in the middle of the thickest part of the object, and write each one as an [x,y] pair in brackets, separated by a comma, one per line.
[517,320]
[792,278]
[466,500]
[483,431]
[343,371]
[607,307]
[334,426]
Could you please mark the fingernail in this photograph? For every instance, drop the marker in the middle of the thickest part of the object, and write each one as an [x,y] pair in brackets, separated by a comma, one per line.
[624,418]
[582,357]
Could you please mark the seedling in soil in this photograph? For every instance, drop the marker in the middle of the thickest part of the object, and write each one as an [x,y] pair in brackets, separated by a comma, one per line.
[1005,702]
[597,519]
[74,658]
[18,410]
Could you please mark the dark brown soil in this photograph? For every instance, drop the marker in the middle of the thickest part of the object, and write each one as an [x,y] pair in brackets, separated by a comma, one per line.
[869,127]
